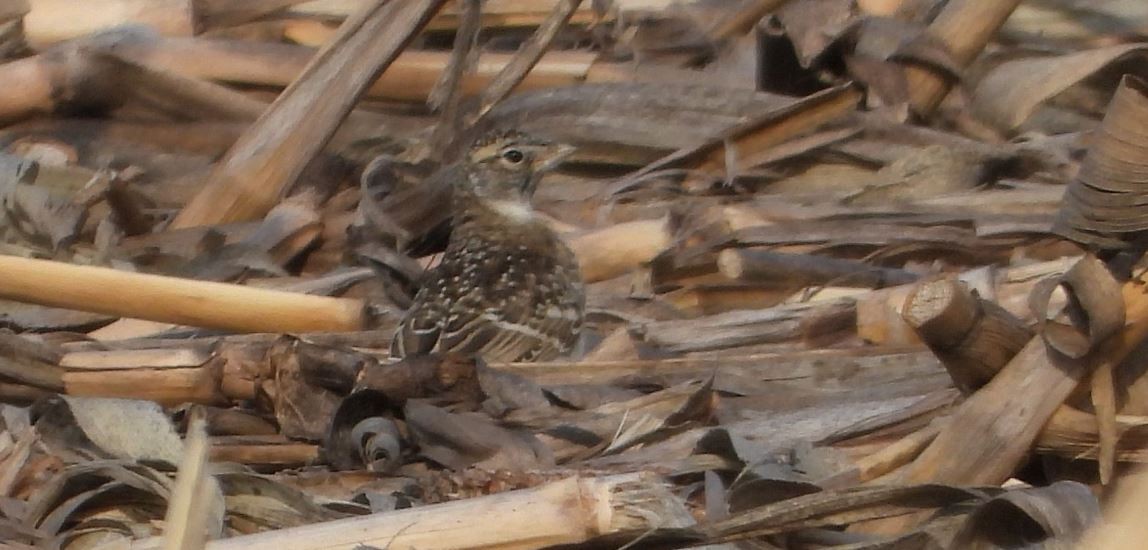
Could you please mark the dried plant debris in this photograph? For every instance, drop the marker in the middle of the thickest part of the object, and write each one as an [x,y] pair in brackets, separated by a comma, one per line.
[94,428]
[39,202]
[1055,516]
[1101,206]
[858,274]
[1011,93]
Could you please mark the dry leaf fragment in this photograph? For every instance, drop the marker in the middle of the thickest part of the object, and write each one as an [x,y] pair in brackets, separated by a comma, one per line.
[108,428]
[458,441]
[302,408]
[1106,206]
[507,391]
[33,318]
[37,202]
[840,507]
[1095,309]
[588,396]
[630,121]
[618,426]
[1055,516]
[1009,94]
[134,495]
[929,172]
[814,25]
[257,503]
[751,142]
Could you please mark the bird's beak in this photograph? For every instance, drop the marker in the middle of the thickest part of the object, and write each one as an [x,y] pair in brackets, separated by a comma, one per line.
[553,155]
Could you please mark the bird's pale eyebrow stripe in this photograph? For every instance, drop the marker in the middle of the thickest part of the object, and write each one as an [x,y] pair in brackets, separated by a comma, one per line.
[486,151]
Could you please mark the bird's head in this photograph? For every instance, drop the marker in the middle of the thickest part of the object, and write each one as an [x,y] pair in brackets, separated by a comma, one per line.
[505,166]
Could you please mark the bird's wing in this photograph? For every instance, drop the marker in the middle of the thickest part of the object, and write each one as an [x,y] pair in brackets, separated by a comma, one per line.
[531,316]
[529,323]
[418,332]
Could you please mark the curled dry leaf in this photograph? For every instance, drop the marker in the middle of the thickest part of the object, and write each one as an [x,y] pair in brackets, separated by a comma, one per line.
[380,443]
[1094,312]
[1055,516]
[109,495]
[1009,94]
[1106,206]
[359,417]
[125,500]
[108,428]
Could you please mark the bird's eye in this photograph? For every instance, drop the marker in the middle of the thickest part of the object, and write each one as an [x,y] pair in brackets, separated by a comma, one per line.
[513,156]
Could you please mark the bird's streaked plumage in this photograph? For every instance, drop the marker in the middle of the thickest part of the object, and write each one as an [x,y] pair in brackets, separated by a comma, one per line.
[507,287]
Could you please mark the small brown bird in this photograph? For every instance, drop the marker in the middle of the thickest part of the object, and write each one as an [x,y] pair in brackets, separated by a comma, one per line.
[507,288]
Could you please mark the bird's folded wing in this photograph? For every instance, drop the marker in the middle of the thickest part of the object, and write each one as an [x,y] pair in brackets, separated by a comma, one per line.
[418,333]
[522,330]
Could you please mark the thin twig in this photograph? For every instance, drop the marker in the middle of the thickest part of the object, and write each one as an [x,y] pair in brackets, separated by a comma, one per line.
[188,508]
[271,155]
[515,71]
[446,88]
[447,91]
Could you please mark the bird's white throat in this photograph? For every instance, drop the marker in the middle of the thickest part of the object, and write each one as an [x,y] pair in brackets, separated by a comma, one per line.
[515,211]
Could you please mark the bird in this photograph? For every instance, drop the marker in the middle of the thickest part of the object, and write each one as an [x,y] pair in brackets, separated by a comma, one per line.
[507,287]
